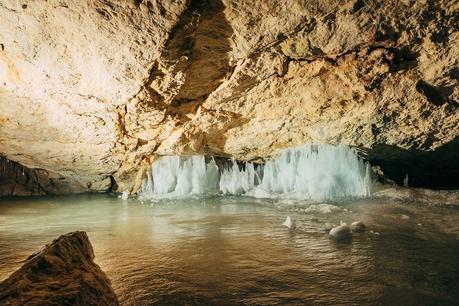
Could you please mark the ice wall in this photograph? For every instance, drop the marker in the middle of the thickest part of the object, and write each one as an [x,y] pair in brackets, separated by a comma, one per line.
[316,172]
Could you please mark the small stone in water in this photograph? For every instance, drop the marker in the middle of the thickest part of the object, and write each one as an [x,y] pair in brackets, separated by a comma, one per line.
[328,227]
[358,227]
[125,195]
[405,217]
[289,222]
[341,232]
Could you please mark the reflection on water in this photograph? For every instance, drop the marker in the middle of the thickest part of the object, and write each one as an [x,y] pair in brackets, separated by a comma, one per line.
[235,251]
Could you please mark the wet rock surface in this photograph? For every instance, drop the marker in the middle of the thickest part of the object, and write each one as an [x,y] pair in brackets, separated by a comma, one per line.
[341,232]
[63,273]
[358,227]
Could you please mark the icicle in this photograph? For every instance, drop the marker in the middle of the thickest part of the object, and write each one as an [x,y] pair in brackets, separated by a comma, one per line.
[316,172]
[406,181]
[175,176]
[237,181]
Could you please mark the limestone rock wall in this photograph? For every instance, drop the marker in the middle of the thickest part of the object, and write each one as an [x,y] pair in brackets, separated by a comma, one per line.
[93,91]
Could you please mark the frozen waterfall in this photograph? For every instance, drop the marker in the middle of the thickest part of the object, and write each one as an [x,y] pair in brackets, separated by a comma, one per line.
[316,172]
[173,176]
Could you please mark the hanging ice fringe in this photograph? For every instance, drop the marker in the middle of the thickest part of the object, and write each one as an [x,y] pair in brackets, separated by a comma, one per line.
[316,172]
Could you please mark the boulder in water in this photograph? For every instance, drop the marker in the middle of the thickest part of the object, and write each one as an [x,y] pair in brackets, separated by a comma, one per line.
[63,273]
[358,227]
[341,232]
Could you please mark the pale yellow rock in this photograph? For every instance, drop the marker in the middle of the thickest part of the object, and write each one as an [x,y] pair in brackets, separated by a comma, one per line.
[93,90]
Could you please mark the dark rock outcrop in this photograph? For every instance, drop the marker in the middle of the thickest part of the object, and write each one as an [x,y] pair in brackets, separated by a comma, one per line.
[63,273]
[18,180]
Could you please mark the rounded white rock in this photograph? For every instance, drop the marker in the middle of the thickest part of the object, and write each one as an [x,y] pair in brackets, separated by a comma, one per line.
[289,222]
[341,232]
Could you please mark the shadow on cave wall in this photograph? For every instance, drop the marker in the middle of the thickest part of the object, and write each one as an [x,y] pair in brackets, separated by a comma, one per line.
[437,169]
[199,47]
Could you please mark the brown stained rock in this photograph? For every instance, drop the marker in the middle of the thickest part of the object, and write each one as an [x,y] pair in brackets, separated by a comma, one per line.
[63,273]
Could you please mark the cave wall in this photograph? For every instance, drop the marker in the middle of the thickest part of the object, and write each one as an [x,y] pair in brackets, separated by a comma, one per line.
[92,91]
[17,180]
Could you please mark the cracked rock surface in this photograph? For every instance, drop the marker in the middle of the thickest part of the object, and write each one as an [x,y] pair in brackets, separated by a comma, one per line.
[93,91]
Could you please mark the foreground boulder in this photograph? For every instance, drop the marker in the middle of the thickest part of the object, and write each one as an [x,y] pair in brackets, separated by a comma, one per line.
[63,273]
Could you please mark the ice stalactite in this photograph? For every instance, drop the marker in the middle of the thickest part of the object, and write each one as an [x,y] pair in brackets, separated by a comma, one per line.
[314,172]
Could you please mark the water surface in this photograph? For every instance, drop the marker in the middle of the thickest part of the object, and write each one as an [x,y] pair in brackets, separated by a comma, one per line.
[234,250]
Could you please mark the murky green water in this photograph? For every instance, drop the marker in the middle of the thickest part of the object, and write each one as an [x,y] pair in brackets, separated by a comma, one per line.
[235,250]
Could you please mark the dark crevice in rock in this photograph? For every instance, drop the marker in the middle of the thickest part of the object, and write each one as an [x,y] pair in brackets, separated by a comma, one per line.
[437,169]
[104,13]
[358,5]
[137,3]
[405,59]
[113,185]
[334,58]
[435,95]
[306,25]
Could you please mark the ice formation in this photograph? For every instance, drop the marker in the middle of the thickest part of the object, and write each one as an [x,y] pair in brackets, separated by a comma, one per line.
[289,222]
[314,172]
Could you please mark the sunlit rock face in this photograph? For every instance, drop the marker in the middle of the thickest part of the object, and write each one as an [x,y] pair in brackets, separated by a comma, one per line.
[92,91]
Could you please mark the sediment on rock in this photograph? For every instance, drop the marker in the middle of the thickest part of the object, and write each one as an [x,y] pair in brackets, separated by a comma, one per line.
[63,273]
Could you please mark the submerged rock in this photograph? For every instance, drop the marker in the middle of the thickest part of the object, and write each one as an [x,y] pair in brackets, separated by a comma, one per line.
[289,222]
[63,273]
[341,232]
[358,227]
